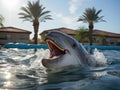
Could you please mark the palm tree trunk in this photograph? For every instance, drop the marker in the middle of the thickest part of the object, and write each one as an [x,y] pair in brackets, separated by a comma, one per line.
[90,32]
[36,26]
[35,36]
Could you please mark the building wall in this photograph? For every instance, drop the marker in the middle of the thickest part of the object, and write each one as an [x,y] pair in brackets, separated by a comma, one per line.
[14,38]
[99,40]
[113,41]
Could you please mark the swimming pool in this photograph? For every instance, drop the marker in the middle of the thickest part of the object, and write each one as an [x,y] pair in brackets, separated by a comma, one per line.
[21,69]
[44,46]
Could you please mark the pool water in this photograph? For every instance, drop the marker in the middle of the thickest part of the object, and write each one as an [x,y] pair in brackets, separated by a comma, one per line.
[21,69]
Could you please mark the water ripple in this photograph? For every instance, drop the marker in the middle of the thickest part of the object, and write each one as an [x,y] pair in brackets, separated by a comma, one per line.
[22,69]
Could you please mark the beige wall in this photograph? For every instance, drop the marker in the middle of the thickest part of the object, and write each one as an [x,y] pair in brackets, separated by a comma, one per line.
[14,38]
[113,41]
[109,40]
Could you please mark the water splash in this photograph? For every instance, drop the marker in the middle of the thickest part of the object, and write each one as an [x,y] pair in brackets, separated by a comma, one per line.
[98,58]
[40,55]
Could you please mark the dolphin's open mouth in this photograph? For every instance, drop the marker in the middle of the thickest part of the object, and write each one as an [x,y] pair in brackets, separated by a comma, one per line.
[55,49]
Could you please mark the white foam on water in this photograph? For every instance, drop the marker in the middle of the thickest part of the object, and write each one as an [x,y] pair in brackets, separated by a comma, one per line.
[42,53]
[98,58]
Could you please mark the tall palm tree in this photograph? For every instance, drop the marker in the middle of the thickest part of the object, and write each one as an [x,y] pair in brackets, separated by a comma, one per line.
[35,13]
[1,21]
[91,16]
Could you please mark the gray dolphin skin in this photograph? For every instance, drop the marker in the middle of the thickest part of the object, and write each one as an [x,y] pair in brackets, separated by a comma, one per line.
[64,51]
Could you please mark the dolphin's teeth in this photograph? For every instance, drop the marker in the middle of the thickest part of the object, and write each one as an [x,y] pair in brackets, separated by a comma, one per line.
[54,43]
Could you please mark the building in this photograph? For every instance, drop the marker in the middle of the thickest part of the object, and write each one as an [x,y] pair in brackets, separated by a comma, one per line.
[13,35]
[107,38]
[99,37]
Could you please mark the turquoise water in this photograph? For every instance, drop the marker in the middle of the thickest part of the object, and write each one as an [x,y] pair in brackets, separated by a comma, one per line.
[21,69]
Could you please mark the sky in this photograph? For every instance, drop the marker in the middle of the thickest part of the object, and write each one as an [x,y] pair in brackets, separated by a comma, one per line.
[65,13]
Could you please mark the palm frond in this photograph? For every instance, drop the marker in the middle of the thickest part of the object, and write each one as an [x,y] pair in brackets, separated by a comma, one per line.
[1,20]
[1,25]
[99,19]
[91,15]
[44,18]
[34,10]
[44,13]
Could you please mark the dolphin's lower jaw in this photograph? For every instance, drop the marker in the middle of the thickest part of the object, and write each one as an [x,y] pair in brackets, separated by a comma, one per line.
[51,64]
[60,62]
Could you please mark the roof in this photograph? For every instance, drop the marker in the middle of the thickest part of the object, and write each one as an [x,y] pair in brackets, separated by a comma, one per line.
[64,30]
[73,32]
[105,33]
[13,30]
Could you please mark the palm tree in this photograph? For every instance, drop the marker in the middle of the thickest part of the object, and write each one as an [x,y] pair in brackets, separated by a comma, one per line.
[91,16]
[82,35]
[1,21]
[35,13]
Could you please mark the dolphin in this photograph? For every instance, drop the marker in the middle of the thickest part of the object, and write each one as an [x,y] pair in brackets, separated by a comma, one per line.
[65,51]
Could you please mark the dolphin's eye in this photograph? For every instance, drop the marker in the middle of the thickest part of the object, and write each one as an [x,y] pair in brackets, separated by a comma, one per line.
[74,45]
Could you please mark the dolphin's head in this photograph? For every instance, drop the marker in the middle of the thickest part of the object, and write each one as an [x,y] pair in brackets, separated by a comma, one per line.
[64,51]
